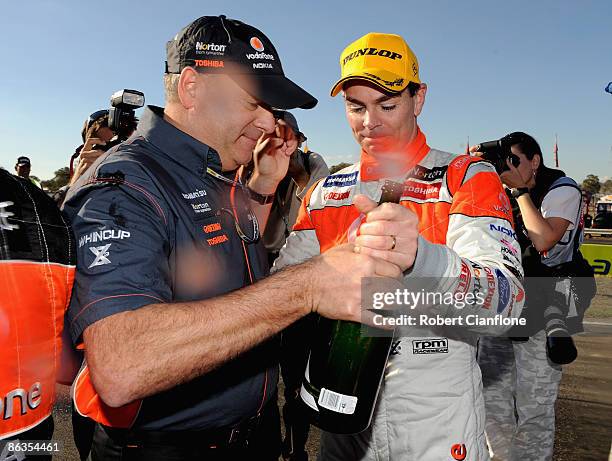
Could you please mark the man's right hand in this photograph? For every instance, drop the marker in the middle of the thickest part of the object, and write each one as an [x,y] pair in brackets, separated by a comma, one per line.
[337,281]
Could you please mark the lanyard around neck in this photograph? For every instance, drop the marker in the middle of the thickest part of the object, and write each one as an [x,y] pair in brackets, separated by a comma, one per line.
[233,183]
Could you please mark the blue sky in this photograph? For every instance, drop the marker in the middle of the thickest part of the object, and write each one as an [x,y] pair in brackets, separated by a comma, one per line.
[491,68]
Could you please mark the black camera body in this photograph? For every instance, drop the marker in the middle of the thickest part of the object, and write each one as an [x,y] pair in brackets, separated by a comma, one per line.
[496,152]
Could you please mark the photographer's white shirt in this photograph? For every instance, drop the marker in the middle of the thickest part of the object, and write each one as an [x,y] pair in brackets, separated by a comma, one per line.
[563,200]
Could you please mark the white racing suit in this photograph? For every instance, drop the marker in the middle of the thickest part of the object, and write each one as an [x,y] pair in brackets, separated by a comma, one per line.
[430,406]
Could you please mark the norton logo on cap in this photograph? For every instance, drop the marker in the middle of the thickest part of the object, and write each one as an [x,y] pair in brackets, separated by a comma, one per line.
[371,52]
[209,48]
[256,44]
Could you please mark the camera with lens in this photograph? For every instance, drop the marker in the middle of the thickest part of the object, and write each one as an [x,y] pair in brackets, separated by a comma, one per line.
[121,117]
[496,152]
[549,293]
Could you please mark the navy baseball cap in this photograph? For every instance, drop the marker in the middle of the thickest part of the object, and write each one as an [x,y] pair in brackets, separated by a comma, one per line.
[23,161]
[290,120]
[215,44]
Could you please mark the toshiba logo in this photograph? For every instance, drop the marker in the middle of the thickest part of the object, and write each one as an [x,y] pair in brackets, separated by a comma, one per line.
[208,63]
[217,240]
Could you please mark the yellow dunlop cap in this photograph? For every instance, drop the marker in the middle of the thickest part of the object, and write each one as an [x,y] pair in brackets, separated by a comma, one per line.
[386,60]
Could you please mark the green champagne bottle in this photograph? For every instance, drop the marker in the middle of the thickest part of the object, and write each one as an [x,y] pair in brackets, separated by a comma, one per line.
[345,367]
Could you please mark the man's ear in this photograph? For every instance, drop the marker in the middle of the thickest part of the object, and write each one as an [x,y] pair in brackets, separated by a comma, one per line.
[420,99]
[188,87]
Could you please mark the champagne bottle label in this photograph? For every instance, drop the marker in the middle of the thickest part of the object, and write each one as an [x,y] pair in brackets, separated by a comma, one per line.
[307,371]
[339,403]
[308,399]
[306,396]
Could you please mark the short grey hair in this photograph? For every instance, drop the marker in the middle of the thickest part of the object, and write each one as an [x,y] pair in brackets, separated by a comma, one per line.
[171,87]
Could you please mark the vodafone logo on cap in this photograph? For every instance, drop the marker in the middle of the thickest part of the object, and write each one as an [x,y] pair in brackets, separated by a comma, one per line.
[256,44]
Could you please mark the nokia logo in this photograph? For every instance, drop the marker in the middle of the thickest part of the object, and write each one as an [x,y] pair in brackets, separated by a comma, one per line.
[371,52]
[503,230]
[430,346]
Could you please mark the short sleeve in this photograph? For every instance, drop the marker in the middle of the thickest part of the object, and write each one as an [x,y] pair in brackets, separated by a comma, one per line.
[122,255]
[562,202]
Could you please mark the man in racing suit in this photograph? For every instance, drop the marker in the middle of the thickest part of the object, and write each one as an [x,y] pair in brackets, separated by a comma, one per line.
[37,263]
[449,227]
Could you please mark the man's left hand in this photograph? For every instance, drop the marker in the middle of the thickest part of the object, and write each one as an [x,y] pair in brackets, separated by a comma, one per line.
[390,232]
[271,158]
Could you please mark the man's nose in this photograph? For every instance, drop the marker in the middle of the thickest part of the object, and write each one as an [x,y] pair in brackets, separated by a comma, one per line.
[369,120]
[264,120]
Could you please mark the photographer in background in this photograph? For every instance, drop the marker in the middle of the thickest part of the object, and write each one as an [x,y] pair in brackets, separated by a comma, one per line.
[96,133]
[99,135]
[305,168]
[521,377]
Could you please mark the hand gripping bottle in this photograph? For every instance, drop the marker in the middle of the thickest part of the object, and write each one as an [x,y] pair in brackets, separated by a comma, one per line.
[345,368]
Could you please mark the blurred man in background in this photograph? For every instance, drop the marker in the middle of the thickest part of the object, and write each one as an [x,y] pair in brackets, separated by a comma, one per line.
[22,169]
